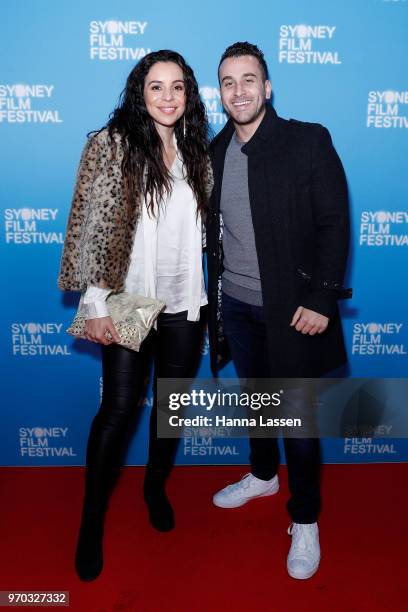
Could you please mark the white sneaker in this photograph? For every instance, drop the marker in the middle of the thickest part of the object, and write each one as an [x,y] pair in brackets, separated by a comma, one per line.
[304,555]
[249,487]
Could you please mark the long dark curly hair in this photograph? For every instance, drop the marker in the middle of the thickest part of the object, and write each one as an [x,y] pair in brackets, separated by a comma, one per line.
[143,167]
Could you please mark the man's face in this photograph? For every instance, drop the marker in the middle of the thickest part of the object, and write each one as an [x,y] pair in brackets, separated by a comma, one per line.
[243,88]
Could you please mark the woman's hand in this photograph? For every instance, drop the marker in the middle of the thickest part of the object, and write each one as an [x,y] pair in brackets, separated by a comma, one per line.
[95,330]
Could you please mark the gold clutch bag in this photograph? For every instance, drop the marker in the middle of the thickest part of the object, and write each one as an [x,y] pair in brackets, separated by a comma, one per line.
[133,316]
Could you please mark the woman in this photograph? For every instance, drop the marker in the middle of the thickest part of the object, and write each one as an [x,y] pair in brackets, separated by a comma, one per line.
[136,225]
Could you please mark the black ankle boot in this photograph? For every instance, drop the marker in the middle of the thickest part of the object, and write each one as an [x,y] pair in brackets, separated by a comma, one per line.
[161,513]
[89,552]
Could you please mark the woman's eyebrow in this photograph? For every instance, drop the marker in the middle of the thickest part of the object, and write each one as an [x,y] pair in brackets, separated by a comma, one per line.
[157,81]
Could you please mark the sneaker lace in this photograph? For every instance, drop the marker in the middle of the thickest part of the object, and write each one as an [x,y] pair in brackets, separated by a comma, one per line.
[244,483]
[302,539]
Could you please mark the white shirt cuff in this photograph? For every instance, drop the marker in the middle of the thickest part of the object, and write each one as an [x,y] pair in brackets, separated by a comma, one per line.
[95,302]
[96,310]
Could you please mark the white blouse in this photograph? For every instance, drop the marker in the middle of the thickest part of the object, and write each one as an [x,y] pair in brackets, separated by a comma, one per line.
[166,258]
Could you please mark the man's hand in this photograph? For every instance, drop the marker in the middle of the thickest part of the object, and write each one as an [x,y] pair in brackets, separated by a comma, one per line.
[95,330]
[309,322]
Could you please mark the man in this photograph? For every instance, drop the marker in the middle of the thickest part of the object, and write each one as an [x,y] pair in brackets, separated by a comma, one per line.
[277,242]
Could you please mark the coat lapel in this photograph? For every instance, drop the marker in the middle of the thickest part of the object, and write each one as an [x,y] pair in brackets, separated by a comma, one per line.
[217,152]
[269,190]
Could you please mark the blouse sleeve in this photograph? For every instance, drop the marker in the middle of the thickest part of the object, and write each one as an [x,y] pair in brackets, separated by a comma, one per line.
[71,275]
[95,302]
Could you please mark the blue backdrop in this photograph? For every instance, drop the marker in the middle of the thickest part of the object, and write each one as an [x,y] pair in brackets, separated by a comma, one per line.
[342,64]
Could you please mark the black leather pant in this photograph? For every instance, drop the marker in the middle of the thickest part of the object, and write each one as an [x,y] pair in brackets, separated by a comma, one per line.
[175,348]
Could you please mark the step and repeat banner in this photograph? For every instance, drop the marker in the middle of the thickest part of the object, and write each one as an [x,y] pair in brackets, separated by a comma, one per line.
[63,66]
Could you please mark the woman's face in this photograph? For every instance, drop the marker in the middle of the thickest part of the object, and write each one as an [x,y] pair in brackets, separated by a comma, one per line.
[164,93]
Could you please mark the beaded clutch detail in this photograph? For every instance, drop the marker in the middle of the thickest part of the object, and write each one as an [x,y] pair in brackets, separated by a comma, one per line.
[133,316]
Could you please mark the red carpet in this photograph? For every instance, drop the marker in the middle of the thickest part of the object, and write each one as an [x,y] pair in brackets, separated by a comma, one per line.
[227,560]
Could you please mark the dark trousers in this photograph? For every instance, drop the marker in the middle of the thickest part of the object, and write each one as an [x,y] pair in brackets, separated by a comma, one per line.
[244,327]
[175,348]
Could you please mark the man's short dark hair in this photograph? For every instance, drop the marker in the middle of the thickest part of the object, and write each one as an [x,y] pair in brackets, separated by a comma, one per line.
[239,49]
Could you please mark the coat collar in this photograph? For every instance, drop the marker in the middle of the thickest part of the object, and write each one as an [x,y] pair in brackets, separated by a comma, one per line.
[265,130]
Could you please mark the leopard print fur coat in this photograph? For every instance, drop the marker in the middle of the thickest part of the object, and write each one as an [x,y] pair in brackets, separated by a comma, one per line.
[101,228]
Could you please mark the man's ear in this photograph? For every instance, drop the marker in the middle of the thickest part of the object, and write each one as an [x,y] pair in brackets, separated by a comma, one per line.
[268,89]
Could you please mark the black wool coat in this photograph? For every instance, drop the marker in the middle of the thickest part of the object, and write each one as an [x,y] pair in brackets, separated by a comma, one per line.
[299,206]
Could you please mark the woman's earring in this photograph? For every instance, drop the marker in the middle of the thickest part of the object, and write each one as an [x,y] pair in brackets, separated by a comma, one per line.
[184,126]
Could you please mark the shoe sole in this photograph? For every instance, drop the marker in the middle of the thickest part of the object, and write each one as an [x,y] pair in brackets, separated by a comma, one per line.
[245,501]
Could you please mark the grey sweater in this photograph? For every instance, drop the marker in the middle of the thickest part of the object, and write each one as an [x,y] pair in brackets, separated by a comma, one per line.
[240,278]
